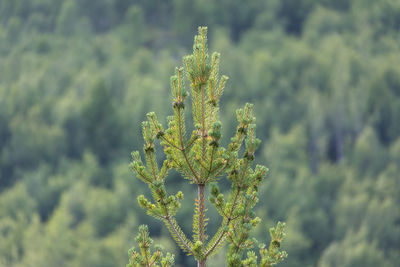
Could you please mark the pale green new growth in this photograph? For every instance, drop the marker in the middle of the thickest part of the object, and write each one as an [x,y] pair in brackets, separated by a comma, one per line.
[199,158]
[145,258]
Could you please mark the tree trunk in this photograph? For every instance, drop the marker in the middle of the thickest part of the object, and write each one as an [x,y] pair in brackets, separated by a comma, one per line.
[202,263]
[201,222]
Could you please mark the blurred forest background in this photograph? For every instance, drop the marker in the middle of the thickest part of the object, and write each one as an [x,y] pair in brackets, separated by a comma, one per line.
[78,76]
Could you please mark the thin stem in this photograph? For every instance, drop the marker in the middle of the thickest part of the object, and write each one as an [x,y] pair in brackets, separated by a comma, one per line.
[201,213]
[201,165]
[203,123]
[211,163]
[182,149]
[179,85]
[140,173]
[170,143]
[222,234]
[190,167]
[190,143]
[202,262]
[171,224]
[203,50]
[168,218]
[145,250]
[153,170]
[238,189]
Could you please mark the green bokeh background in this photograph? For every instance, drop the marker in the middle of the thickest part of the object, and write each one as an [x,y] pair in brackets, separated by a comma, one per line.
[78,76]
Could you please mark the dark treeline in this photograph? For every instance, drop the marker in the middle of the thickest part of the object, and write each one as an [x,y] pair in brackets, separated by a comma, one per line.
[78,76]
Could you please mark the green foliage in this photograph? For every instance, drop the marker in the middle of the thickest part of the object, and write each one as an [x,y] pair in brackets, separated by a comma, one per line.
[145,258]
[101,121]
[202,161]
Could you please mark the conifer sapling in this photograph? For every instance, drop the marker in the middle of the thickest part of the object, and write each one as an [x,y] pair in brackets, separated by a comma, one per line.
[199,158]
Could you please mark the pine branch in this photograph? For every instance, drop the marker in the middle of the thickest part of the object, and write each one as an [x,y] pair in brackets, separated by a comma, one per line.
[218,240]
[145,258]
[202,161]
[179,236]
[225,223]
